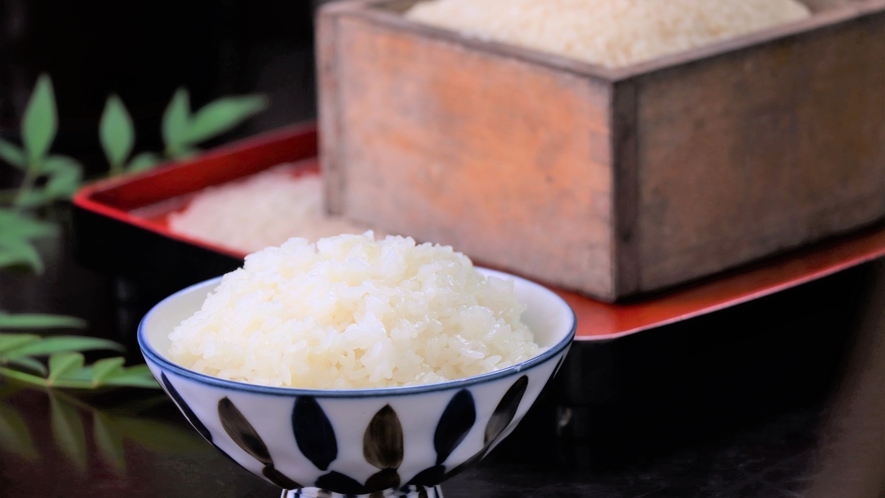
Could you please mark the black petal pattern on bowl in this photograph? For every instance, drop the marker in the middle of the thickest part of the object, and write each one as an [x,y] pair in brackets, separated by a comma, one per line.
[454,424]
[506,410]
[186,410]
[456,421]
[430,477]
[278,478]
[314,433]
[386,479]
[340,483]
[241,432]
[383,448]
[383,440]
[501,418]
[467,463]
[558,366]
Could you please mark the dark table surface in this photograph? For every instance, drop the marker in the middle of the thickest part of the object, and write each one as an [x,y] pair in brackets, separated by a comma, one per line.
[134,443]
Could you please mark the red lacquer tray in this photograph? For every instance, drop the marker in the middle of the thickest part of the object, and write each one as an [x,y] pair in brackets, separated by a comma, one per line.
[120,227]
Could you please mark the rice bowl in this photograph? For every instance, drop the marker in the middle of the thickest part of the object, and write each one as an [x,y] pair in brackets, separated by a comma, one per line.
[330,439]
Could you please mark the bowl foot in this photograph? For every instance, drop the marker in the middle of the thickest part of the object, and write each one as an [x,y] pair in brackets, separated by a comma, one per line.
[404,492]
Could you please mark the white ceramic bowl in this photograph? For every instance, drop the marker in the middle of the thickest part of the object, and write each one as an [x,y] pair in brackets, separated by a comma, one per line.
[389,440]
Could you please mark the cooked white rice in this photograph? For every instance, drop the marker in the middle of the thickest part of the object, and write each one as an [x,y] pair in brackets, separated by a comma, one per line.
[611,33]
[264,210]
[352,312]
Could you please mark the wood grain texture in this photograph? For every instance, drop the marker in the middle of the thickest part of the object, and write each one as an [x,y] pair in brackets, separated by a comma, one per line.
[754,152]
[606,181]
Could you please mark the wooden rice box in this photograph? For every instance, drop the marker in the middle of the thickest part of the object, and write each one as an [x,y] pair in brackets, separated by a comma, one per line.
[611,182]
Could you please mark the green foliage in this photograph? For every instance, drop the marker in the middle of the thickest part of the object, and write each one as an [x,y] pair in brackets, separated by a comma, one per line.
[175,121]
[19,355]
[40,121]
[65,175]
[181,129]
[66,368]
[116,133]
[35,321]
[12,154]
[17,235]
[58,361]
[143,162]
[220,116]
[62,174]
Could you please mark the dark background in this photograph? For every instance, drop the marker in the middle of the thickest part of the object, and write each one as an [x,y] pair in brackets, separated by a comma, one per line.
[143,51]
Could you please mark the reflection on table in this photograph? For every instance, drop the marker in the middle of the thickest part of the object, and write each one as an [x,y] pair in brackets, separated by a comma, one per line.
[828,440]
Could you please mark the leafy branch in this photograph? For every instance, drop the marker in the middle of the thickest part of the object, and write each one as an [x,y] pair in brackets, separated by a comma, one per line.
[39,126]
[182,129]
[58,361]
[17,235]
[50,177]
[65,367]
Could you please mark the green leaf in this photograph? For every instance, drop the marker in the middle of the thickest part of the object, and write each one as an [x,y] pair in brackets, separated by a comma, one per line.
[20,252]
[143,162]
[23,377]
[65,175]
[33,199]
[64,366]
[67,428]
[79,379]
[102,369]
[116,132]
[109,441]
[12,341]
[12,154]
[176,121]
[14,224]
[137,376]
[15,437]
[63,344]
[28,363]
[80,382]
[39,321]
[40,121]
[222,115]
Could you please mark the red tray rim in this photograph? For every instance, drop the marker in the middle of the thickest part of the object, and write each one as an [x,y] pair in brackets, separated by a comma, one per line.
[85,198]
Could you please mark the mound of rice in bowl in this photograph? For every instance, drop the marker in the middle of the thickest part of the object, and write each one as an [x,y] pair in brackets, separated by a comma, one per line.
[351,312]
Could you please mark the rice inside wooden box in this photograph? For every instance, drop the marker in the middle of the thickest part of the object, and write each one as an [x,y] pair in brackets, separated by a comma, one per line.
[611,182]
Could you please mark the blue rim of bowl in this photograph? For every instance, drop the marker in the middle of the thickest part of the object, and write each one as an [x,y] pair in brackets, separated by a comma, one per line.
[149,353]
